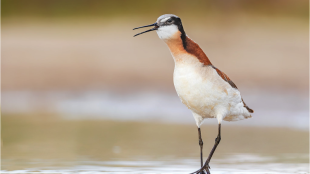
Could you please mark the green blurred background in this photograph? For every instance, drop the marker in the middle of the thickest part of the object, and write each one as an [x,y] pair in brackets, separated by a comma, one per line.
[76,86]
[119,8]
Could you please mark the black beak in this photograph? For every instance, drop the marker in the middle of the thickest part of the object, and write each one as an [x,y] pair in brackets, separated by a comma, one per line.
[155,28]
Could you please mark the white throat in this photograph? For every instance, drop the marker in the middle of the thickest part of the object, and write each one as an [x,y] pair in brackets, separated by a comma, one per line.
[167,32]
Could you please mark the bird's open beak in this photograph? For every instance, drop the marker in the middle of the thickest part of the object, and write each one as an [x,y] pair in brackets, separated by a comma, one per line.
[155,28]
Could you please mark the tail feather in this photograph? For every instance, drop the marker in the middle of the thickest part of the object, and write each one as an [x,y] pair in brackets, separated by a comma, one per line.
[249,109]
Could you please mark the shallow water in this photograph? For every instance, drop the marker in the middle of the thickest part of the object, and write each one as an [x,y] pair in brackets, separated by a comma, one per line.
[236,163]
[41,143]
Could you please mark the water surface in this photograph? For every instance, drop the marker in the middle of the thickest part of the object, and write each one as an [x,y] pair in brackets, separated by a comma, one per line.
[41,143]
[237,163]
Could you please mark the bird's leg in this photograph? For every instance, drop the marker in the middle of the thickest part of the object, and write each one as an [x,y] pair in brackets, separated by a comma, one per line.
[201,146]
[206,165]
[217,142]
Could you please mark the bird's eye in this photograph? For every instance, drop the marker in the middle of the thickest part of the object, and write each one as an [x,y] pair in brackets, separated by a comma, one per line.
[169,20]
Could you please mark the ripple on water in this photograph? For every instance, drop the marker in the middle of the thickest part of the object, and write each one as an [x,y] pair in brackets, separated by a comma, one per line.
[233,164]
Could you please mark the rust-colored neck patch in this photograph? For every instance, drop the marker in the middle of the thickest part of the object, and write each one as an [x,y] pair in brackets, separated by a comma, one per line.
[176,46]
[194,49]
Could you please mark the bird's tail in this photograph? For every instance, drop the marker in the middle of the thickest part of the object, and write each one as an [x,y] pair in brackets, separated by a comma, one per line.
[249,109]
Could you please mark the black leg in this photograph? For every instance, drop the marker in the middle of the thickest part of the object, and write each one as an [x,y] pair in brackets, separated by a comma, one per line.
[201,146]
[206,165]
[217,142]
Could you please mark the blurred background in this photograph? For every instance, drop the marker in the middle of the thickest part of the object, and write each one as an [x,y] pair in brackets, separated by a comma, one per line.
[78,90]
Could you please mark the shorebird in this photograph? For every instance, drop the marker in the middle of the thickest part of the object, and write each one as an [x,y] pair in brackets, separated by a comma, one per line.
[203,88]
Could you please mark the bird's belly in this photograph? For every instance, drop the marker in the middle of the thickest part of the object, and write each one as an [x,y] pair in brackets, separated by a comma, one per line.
[199,94]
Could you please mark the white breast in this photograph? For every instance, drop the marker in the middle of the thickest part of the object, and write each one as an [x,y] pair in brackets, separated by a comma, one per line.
[204,92]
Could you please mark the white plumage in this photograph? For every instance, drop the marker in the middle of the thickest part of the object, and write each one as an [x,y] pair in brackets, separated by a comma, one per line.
[205,93]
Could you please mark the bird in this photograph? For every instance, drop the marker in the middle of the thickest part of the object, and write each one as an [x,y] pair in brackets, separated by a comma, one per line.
[203,88]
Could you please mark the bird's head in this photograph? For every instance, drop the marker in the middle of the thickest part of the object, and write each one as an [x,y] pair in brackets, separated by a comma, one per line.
[167,26]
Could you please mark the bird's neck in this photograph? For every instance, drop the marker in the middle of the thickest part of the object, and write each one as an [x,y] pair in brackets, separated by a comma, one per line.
[180,46]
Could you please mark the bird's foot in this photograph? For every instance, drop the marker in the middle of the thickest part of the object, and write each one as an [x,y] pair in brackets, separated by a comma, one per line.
[202,170]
